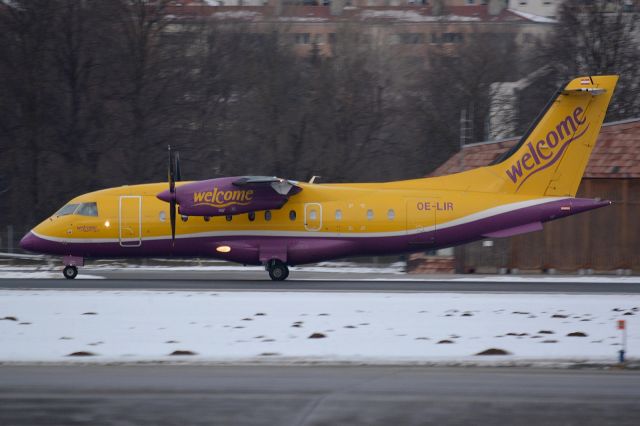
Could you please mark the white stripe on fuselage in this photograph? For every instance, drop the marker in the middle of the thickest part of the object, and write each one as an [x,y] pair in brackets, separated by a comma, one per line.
[505,208]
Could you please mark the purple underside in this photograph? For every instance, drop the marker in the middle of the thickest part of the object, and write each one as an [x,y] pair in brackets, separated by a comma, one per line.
[254,250]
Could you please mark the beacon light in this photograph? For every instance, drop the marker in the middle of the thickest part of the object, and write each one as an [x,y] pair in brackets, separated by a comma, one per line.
[223,249]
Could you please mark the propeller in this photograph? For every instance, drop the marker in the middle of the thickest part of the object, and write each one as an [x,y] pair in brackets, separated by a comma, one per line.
[173,176]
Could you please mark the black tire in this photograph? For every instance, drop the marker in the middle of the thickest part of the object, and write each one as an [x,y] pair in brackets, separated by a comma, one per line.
[70,272]
[278,271]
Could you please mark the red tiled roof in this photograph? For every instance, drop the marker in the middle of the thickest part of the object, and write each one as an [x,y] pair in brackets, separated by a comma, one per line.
[616,154]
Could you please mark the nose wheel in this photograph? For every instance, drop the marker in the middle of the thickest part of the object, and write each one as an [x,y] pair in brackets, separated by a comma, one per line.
[278,270]
[70,272]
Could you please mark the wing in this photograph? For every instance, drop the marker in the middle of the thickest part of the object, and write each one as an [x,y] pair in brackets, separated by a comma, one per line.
[281,186]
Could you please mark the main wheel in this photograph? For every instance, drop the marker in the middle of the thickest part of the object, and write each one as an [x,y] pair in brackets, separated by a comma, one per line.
[278,271]
[70,272]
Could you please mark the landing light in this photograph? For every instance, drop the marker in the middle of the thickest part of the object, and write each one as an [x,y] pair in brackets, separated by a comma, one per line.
[107,224]
[223,249]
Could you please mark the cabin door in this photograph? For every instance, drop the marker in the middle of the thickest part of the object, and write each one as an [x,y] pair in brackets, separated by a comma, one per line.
[130,221]
[313,216]
[421,221]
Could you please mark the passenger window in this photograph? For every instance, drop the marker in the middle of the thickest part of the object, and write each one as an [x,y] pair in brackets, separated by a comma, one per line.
[313,215]
[184,218]
[88,209]
[252,216]
[162,215]
[292,215]
[229,218]
[267,215]
[207,218]
[66,210]
[369,214]
[338,214]
[391,214]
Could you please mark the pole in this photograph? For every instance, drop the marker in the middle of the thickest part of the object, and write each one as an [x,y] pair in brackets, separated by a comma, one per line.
[622,327]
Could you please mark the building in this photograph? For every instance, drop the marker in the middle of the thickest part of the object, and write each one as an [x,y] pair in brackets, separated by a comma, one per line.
[605,240]
[412,28]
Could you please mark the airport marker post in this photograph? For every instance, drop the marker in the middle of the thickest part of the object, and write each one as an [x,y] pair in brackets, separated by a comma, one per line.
[622,327]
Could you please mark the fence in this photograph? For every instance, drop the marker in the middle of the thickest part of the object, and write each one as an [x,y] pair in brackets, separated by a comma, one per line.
[606,239]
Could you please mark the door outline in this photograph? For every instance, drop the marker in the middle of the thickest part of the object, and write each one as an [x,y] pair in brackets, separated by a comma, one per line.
[130,242]
[306,224]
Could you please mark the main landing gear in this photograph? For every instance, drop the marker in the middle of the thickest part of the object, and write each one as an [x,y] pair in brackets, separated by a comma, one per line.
[278,270]
[71,264]
[70,272]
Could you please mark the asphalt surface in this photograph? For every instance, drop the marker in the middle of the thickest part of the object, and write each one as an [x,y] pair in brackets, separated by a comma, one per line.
[310,281]
[268,395]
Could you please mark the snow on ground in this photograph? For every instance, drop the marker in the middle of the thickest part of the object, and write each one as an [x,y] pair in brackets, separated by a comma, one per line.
[93,271]
[141,326]
[30,273]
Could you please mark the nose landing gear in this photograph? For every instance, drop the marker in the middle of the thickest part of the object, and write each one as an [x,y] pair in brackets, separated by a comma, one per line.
[70,272]
[278,270]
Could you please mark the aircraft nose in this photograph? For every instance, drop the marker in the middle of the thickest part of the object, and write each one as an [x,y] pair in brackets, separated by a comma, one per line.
[29,242]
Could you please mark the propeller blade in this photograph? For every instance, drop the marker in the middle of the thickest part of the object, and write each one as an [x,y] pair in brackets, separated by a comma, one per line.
[171,173]
[178,175]
[172,200]
[172,218]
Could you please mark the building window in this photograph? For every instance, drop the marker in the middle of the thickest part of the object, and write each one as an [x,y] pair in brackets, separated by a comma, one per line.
[332,38]
[391,214]
[302,38]
[252,216]
[229,218]
[267,215]
[338,214]
[411,38]
[369,214]
[292,215]
[452,37]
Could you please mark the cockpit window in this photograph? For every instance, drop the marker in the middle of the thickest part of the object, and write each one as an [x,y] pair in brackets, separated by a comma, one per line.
[88,209]
[68,209]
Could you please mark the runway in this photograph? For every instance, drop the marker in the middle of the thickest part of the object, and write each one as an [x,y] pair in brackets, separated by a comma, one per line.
[128,279]
[268,395]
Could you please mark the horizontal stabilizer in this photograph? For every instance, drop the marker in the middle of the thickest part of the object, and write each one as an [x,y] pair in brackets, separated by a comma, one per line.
[590,90]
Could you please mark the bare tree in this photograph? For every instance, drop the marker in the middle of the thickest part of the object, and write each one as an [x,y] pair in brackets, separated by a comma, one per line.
[454,94]
[598,37]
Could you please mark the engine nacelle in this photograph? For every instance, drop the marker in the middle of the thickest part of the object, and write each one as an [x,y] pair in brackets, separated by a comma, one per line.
[227,196]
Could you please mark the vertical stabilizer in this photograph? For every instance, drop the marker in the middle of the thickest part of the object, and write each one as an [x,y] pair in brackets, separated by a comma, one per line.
[551,158]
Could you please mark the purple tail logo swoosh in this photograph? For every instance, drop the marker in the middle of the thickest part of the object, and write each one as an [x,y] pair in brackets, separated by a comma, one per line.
[557,139]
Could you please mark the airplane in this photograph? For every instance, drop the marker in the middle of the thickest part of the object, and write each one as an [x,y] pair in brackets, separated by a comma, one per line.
[277,222]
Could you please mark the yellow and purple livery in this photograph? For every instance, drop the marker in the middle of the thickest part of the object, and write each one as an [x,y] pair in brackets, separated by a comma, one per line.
[278,222]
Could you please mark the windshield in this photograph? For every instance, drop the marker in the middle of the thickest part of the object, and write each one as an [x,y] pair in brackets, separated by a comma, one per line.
[68,209]
[88,209]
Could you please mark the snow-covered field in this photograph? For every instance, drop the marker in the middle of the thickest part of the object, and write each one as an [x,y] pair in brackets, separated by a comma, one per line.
[93,271]
[148,326]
